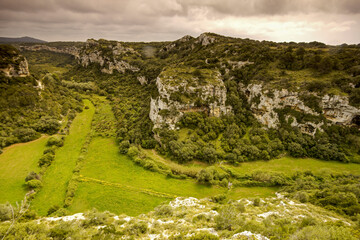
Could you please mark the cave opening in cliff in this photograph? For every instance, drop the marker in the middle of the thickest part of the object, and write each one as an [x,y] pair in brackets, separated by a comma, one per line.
[356,120]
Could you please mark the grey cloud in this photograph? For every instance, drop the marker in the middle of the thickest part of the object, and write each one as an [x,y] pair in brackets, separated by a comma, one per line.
[273,7]
[145,20]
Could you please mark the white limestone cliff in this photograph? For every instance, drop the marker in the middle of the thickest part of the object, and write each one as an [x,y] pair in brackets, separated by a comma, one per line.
[335,109]
[165,110]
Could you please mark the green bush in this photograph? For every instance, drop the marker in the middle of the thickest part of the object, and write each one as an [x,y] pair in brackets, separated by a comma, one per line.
[256,202]
[34,184]
[5,212]
[136,228]
[50,150]
[220,198]
[32,176]
[164,210]
[55,141]
[124,146]
[133,151]
[46,159]
[228,218]
[302,197]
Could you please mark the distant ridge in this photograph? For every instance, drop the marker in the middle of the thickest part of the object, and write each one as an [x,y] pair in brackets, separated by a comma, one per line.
[20,40]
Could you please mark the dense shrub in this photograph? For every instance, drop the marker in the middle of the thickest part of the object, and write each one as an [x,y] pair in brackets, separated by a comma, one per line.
[34,184]
[228,218]
[32,176]
[47,125]
[25,134]
[46,159]
[6,212]
[133,152]
[55,141]
[164,210]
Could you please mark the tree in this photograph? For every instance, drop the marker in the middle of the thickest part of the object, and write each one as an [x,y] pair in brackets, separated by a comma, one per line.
[209,154]
[296,150]
[325,65]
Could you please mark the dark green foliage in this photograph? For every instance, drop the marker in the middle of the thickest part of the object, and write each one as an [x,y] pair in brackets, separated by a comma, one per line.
[124,146]
[25,134]
[311,101]
[8,56]
[47,125]
[53,209]
[296,150]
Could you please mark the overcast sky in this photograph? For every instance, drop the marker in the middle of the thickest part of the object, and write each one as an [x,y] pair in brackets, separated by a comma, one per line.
[329,21]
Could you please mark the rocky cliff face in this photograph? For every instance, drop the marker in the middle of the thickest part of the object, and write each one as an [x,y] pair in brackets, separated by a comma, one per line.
[19,68]
[264,103]
[67,50]
[180,91]
[109,55]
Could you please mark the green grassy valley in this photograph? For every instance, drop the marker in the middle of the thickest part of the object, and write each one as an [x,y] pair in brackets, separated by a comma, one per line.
[200,138]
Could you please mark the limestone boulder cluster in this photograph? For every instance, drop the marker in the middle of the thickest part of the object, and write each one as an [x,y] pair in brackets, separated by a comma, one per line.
[335,109]
[167,110]
[19,68]
[108,55]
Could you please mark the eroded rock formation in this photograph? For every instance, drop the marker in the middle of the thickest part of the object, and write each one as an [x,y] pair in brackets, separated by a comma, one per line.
[264,103]
[19,68]
[180,91]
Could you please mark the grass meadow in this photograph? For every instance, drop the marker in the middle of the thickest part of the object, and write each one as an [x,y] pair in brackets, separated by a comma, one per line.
[15,163]
[57,176]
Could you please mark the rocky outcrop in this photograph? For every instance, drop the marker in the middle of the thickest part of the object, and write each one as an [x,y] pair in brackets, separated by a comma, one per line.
[41,47]
[205,39]
[142,80]
[174,44]
[181,92]
[335,109]
[19,68]
[108,55]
